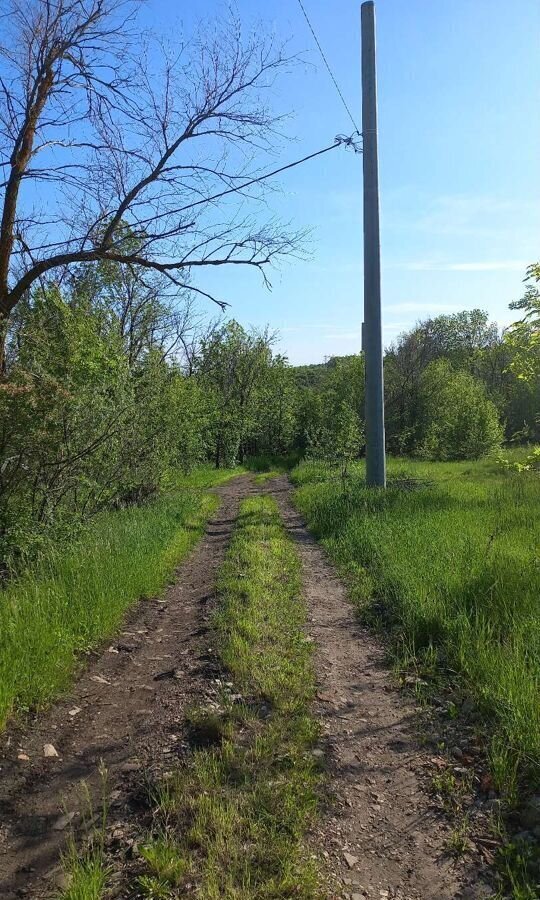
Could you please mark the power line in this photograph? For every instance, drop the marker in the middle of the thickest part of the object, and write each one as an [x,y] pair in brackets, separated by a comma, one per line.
[338,142]
[327,64]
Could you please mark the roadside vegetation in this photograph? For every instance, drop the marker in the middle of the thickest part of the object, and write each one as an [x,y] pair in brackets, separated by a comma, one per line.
[446,563]
[74,597]
[232,820]
[94,419]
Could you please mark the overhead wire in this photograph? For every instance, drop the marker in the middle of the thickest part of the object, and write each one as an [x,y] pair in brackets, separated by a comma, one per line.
[338,142]
[327,64]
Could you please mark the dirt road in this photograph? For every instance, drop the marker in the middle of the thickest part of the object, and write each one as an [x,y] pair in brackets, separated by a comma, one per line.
[379,834]
[382,834]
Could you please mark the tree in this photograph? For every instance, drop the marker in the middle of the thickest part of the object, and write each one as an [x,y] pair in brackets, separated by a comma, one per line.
[232,367]
[523,337]
[83,424]
[465,339]
[62,415]
[337,442]
[334,421]
[275,417]
[148,317]
[95,137]
[456,418]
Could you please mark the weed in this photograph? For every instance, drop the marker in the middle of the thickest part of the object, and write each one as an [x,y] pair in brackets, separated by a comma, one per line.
[165,862]
[153,888]
[87,874]
[445,784]
[514,861]
[86,869]
[504,765]
[458,843]
[451,790]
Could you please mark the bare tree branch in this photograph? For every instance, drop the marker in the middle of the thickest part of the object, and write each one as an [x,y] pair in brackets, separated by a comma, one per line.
[125,145]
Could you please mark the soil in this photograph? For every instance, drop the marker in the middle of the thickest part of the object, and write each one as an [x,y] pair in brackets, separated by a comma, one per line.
[131,706]
[382,834]
[379,832]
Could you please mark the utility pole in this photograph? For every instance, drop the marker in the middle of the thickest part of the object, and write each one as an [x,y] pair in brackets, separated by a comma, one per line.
[372,327]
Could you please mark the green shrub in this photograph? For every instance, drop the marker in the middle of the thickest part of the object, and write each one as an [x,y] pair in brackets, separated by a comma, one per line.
[457,420]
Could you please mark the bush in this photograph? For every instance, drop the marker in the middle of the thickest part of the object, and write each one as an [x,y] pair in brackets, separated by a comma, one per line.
[457,419]
[80,428]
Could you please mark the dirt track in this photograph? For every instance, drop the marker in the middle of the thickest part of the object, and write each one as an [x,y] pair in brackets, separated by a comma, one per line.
[131,699]
[380,812]
[130,721]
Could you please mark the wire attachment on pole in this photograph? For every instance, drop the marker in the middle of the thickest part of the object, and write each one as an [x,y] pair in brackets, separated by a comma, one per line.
[350,143]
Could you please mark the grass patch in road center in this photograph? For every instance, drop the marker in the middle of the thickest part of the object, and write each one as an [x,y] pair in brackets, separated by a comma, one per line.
[77,595]
[261,615]
[232,820]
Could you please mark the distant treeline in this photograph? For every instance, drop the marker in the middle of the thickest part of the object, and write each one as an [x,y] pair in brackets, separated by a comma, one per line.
[454,389]
[110,387]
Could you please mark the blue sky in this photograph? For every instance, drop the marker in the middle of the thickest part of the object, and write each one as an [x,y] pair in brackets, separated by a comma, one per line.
[459,123]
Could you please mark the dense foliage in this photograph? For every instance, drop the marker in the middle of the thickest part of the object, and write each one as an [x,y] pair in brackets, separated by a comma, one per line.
[111,385]
[523,337]
[454,389]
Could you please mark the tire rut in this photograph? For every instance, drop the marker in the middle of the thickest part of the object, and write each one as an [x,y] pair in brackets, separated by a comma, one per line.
[380,834]
[124,713]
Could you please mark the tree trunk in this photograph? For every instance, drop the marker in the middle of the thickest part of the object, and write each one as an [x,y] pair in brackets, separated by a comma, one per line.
[4,322]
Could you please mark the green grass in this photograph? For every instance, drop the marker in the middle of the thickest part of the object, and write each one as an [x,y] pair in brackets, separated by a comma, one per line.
[450,565]
[260,617]
[447,563]
[88,877]
[78,595]
[233,818]
[203,477]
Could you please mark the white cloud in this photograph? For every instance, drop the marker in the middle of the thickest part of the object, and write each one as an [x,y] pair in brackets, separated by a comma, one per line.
[509,265]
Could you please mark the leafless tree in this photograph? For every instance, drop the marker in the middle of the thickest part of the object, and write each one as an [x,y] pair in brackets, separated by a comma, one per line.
[111,151]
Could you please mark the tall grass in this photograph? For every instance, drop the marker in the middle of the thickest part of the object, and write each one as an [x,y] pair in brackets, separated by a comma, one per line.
[448,560]
[77,595]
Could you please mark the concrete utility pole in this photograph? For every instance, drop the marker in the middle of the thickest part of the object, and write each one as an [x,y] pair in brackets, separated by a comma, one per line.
[372,327]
